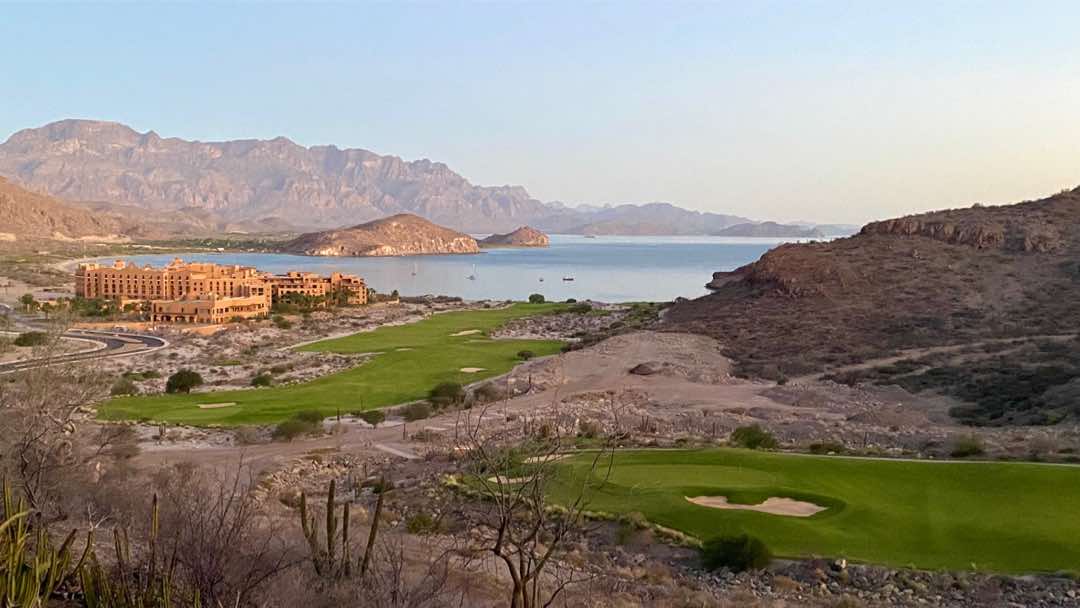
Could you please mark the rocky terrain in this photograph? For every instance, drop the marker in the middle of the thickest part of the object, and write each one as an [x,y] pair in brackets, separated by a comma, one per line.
[958,277]
[522,237]
[402,234]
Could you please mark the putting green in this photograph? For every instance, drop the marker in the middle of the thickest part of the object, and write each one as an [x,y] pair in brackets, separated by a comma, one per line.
[411,360]
[1004,517]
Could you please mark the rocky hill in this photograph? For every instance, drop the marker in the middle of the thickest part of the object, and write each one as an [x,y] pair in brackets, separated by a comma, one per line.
[1001,284]
[522,237]
[401,234]
[29,215]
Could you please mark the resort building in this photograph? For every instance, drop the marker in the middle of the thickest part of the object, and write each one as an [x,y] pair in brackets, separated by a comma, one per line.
[209,309]
[205,292]
[315,285]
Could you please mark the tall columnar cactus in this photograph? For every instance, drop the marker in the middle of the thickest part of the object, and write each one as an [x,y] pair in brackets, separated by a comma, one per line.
[128,586]
[324,557]
[31,569]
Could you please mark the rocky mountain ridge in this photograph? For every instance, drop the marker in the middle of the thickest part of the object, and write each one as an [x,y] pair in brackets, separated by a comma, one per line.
[398,235]
[280,183]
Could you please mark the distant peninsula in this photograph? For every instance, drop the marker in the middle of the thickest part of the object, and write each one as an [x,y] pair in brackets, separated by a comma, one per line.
[397,235]
[524,236]
[771,230]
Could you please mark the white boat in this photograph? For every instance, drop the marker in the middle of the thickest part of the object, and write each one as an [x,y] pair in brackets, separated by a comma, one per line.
[472,277]
[415,267]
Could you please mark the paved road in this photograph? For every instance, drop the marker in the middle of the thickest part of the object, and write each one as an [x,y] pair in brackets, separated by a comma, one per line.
[110,344]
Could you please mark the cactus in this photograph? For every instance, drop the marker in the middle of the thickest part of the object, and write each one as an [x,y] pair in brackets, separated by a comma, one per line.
[324,558]
[31,569]
[127,586]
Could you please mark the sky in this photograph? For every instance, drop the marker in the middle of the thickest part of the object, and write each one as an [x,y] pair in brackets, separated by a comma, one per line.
[797,110]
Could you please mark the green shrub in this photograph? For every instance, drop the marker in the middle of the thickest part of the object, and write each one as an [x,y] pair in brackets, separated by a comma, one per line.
[968,445]
[372,417]
[31,338]
[291,429]
[753,437]
[827,447]
[263,379]
[525,355]
[281,322]
[306,422]
[446,394]
[536,298]
[421,523]
[580,308]
[310,416]
[416,411]
[123,386]
[736,553]
[183,381]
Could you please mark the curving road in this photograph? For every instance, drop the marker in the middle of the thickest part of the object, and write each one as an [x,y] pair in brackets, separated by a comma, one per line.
[109,344]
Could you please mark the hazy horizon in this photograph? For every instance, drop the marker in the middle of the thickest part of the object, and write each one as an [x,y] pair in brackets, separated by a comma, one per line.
[822,112]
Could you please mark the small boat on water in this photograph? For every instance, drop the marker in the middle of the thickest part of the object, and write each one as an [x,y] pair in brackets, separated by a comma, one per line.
[541,279]
[415,267]
[472,277]
[568,278]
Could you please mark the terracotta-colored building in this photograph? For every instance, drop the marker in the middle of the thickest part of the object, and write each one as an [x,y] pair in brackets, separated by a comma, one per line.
[315,285]
[205,292]
[209,309]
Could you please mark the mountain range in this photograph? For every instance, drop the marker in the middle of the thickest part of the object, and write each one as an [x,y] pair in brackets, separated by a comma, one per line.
[278,185]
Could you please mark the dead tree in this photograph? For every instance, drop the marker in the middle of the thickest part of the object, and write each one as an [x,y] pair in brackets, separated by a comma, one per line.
[515,521]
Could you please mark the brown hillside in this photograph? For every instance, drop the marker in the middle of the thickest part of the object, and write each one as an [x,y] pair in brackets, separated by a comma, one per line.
[401,234]
[29,215]
[961,276]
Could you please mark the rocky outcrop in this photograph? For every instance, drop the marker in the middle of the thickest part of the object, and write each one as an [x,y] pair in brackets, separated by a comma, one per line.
[1024,228]
[522,237]
[401,234]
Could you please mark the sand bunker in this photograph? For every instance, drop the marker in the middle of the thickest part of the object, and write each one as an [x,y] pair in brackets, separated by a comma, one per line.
[507,480]
[467,332]
[214,406]
[472,370]
[773,505]
[545,458]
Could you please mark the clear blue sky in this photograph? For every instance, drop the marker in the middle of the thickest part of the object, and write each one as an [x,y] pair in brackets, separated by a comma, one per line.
[832,111]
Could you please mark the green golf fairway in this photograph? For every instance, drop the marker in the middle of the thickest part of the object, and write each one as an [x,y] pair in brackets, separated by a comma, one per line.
[1004,517]
[393,376]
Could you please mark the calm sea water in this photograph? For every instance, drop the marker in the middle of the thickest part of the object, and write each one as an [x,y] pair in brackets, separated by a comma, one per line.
[608,269]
